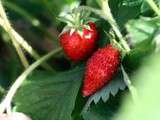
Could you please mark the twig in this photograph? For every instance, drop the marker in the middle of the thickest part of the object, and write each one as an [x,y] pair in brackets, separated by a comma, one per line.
[31,19]
[131,88]
[4,22]
[22,57]
[12,91]
[108,16]
[94,10]
[8,28]
[154,6]
[30,50]
[105,13]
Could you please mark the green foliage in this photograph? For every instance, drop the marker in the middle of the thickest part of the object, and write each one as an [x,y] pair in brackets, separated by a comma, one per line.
[124,12]
[45,96]
[104,111]
[141,34]
[132,2]
[139,54]
[142,29]
[146,8]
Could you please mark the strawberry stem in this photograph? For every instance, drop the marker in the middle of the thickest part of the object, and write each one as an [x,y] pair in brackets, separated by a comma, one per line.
[5,104]
[154,6]
[77,20]
[18,40]
[131,88]
[108,16]
[114,42]
[87,8]
[6,25]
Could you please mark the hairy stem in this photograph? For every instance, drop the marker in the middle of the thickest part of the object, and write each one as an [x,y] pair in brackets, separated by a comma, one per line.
[108,16]
[8,28]
[105,13]
[19,50]
[30,50]
[154,6]
[12,91]
[94,10]
[4,22]
[131,88]
[31,19]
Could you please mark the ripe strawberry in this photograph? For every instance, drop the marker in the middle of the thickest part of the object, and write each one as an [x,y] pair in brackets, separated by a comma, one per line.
[100,69]
[79,44]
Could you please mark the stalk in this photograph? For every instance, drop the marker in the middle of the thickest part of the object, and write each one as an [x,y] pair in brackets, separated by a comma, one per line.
[154,7]
[18,40]
[108,16]
[8,28]
[5,104]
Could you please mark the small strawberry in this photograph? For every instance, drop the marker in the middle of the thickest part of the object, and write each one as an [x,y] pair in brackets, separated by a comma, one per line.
[79,44]
[100,69]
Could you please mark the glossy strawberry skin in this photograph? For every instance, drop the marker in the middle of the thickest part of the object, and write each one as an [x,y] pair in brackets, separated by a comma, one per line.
[100,69]
[78,47]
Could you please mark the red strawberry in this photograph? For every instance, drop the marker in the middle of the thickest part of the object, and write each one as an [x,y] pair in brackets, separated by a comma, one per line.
[100,69]
[79,46]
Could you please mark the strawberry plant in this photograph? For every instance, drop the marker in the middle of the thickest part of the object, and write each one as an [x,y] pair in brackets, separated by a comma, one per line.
[101,59]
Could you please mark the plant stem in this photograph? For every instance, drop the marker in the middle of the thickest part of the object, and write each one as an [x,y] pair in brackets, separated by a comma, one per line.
[22,57]
[8,28]
[94,10]
[154,6]
[108,16]
[29,49]
[105,13]
[131,88]
[4,22]
[12,91]
[33,20]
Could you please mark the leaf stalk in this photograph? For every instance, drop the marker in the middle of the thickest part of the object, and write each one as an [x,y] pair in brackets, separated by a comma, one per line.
[108,16]
[5,104]
[18,40]
[154,7]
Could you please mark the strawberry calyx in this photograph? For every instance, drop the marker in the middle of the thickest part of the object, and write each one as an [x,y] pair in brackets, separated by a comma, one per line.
[79,29]
[116,44]
[76,22]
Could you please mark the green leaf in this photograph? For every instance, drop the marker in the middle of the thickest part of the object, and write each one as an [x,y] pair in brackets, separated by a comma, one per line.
[103,111]
[138,54]
[124,12]
[45,96]
[141,30]
[142,33]
[80,102]
[132,2]
[112,88]
[93,4]
[146,7]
